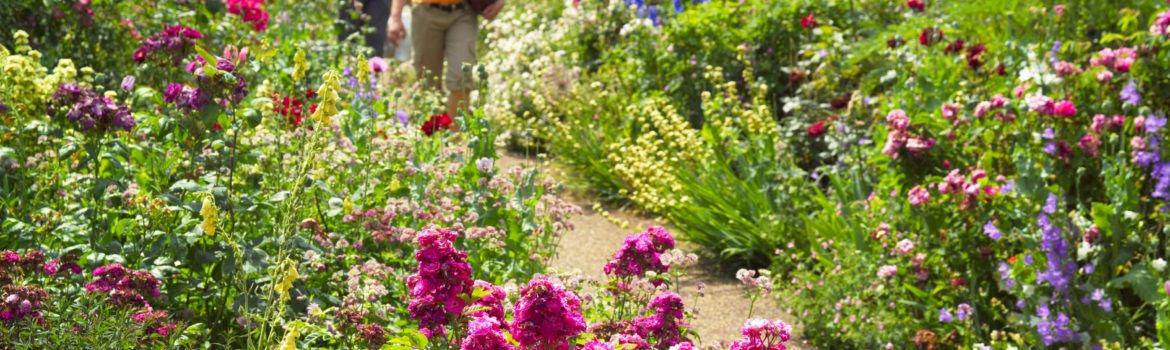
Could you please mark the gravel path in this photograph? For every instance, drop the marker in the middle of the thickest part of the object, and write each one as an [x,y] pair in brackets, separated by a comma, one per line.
[723,309]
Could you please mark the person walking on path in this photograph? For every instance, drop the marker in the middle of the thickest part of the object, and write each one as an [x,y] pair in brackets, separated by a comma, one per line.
[443,29]
[376,11]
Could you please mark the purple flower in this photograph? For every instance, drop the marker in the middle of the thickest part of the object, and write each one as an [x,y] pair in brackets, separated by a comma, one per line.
[128,83]
[945,316]
[1130,95]
[991,231]
[1155,122]
[962,311]
[1048,133]
[402,117]
[1050,204]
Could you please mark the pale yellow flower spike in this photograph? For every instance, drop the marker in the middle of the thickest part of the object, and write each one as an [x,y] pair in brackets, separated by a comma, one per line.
[209,215]
[287,274]
[299,66]
[290,338]
[329,98]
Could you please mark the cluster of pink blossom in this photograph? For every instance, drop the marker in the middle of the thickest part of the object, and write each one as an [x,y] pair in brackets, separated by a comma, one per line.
[1047,106]
[154,324]
[1064,68]
[19,302]
[887,271]
[126,287]
[546,316]
[252,11]
[749,278]
[899,137]
[761,334]
[956,183]
[1119,60]
[443,274]
[371,334]
[491,304]
[484,333]
[666,324]
[996,102]
[640,253]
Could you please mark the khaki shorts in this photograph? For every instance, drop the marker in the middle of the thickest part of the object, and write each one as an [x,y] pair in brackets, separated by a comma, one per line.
[435,33]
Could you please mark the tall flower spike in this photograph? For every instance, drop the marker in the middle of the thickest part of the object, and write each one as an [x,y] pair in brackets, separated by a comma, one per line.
[299,66]
[329,98]
[209,214]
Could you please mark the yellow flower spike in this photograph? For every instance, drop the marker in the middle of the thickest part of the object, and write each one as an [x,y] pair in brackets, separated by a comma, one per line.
[209,215]
[362,72]
[299,66]
[286,274]
[329,98]
[347,206]
[290,338]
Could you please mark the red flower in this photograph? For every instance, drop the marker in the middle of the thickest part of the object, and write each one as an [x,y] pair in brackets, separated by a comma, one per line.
[817,129]
[917,5]
[930,36]
[975,56]
[436,123]
[310,93]
[809,22]
[954,47]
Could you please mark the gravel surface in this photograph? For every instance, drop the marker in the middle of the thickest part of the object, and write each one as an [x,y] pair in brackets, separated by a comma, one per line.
[594,239]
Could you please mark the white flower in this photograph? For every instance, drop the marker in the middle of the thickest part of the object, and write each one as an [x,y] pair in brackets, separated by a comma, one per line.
[1159,264]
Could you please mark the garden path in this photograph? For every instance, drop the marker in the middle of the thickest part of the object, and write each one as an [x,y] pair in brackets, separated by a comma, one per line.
[594,239]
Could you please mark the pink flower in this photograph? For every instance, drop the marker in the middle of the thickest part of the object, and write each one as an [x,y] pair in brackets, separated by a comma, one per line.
[1064,69]
[763,335]
[1019,90]
[443,275]
[904,247]
[898,119]
[998,101]
[1098,125]
[918,145]
[640,253]
[1059,10]
[1065,108]
[950,111]
[1104,76]
[484,333]
[546,314]
[887,271]
[1089,144]
[1040,104]
[377,64]
[982,108]
[918,195]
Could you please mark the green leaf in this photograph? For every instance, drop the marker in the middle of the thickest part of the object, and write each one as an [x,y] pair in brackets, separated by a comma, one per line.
[206,56]
[1141,281]
[209,114]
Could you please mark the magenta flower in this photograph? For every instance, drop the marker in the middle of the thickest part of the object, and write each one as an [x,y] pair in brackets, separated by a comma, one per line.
[641,253]
[1065,108]
[493,301]
[597,345]
[547,316]
[484,333]
[763,335]
[898,119]
[443,275]
[1040,104]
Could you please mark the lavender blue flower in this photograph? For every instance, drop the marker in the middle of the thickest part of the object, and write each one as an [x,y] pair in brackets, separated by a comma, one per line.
[1130,95]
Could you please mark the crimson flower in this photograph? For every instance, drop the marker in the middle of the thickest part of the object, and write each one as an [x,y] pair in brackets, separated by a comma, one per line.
[954,47]
[809,22]
[929,36]
[817,128]
[975,57]
[437,122]
[917,5]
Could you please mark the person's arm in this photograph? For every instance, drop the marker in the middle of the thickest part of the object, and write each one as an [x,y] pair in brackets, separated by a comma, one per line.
[490,12]
[396,31]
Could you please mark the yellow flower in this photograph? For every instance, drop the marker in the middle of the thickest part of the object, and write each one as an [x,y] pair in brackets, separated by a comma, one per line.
[286,274]
[209,215]
[299,66]
[290,338]
[362,72]
[347,206]
[329,98]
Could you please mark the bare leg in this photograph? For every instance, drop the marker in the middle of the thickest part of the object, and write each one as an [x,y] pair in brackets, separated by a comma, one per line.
[457,100]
